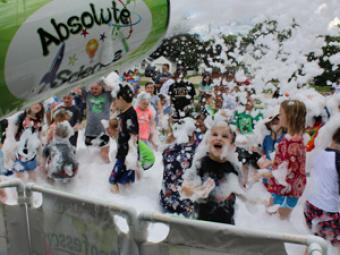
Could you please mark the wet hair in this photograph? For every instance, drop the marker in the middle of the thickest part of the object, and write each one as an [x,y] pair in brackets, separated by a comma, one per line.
[205,76]
[61,114]
[100,83]
[336,136]
[180,71]
[295,111]
[148,83]
[40,115]
[126,93]
[225,124]
[276,94]
[144,96]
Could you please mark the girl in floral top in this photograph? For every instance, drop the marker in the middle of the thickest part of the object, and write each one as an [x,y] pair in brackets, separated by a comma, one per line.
[287,181]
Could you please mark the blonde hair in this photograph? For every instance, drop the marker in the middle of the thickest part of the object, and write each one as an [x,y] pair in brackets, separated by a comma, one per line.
[223,124]
[61,115]
[295,111]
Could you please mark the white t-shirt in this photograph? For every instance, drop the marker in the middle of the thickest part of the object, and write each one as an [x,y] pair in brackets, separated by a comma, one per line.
[325,189]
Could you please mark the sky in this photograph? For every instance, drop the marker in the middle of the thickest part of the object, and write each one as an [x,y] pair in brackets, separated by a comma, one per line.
[190,14]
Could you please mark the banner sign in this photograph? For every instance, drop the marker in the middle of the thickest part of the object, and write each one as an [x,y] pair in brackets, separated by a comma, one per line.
[63,226]
[49,46]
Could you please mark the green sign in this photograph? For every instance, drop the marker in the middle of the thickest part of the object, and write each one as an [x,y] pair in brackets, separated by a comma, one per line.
[50,46]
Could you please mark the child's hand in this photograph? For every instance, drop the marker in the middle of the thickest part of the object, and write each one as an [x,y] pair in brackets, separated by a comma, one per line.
[77,127]
[206,188]
[264,163]
[155,146]
[187,191]
[262,173]
[257,177]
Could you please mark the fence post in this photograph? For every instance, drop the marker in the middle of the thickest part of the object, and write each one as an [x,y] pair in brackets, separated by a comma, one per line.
[316,245]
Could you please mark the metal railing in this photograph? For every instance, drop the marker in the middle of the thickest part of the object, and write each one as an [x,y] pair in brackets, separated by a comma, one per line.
[316,245]
[138,226]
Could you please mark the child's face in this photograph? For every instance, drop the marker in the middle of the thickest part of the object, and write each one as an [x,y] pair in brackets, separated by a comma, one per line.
[275,124]
[68,100]
[143,104]
[149,89]
[283,118]
[96,89]
[230,77]
[200,124]
[35,108]
[207,78]
[221,139]
[249,105]
[208,99]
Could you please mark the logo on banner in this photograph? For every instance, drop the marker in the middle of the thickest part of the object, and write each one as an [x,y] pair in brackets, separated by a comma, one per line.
[70,46]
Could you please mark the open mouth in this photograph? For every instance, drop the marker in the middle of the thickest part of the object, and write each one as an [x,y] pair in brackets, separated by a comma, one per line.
[218,146]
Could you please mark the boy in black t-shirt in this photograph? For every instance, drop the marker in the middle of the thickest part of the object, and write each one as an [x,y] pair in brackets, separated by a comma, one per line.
[181,94]
[124,169]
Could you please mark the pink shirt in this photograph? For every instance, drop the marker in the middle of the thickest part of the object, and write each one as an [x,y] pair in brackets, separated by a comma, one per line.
[144,123]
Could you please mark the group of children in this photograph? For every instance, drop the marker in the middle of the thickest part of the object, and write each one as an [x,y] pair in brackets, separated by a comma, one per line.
[209,149]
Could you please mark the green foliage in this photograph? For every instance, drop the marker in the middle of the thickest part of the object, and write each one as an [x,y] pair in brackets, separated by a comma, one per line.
[330,73]
[185,49]
[190,51]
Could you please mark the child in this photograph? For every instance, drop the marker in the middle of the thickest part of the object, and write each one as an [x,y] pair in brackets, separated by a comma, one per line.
[59,156]
[145,117]
[29,126]
[245,121]
[206,84]
[155,100]
[26,154]
[123,171]
[182,94]
[213,181]
[32,117]
[321,211]
[112,129]
[59,115]
[177,159]
[290,158]
[98,104]
[75,119]
[272,124]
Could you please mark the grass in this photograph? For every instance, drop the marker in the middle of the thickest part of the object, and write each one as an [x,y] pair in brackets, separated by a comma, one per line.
[322,89]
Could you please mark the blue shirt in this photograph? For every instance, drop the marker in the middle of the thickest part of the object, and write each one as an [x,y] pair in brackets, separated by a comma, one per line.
[269,145]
